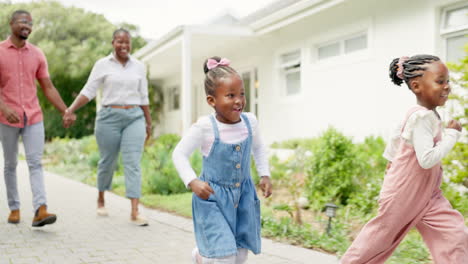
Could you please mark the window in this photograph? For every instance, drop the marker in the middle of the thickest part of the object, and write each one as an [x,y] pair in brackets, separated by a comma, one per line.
[343,46]
[456,17]
[454,30]
[455,48]
[329,51]
[355,44]
[174,98]
[290,65]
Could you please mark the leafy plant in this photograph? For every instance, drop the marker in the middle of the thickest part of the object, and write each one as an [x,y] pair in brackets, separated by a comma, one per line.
[161,177]
[371,175]
[333,170]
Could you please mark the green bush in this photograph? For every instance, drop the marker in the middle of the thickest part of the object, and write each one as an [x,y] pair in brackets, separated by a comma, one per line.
[456,164]
[305,143]
[160,175]
[334,170]
[459,200]
[371,174]
[285,229]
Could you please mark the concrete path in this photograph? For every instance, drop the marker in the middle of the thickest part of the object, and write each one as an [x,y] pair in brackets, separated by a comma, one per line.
[80,236]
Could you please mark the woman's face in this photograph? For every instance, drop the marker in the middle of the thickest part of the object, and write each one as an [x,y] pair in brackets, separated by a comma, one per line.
[122,45]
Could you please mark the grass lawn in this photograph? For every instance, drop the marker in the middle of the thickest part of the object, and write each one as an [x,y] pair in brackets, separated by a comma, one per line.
[180,204]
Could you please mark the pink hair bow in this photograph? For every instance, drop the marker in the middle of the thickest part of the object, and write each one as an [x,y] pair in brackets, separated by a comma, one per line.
[400,67]
[212,63]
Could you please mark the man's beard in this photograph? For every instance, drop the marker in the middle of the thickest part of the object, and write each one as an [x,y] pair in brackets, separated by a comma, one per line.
[23,37]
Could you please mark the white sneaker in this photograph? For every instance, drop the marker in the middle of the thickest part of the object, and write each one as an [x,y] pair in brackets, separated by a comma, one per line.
[139,221]
[195,256]
[102,211]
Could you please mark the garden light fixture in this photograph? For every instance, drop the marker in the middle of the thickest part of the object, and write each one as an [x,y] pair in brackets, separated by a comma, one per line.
[330,211]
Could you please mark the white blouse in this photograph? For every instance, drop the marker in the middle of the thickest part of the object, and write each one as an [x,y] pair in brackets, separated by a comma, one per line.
[201,136]
[420,129]
[121,84]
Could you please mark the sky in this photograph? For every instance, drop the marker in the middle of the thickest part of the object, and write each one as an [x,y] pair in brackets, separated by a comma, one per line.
[157,17]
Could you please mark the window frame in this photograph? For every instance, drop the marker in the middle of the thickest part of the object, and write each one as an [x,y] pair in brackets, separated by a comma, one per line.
[447,33]
[172,91]
[289,67]
[342,45]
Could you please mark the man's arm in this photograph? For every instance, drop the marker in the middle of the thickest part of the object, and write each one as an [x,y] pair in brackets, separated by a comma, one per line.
[52,94]
[54,97]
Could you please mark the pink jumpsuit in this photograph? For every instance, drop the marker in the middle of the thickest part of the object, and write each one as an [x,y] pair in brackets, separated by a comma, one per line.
[411,197]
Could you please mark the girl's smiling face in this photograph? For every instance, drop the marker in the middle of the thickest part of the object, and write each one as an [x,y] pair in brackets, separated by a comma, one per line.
[432,89]
[228,99]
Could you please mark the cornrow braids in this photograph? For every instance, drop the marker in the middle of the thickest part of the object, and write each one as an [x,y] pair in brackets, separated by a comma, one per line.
[120,30]
[412,67]
[213,76]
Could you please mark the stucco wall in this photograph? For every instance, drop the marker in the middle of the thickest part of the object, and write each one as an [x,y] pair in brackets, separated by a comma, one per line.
[351,92]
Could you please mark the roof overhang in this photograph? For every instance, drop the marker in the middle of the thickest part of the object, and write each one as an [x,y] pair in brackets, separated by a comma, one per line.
[206,39]
[174,37]
[164,55]
[291,14]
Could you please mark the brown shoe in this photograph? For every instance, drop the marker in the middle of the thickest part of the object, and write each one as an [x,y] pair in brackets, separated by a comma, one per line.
[42,218]
[14,217]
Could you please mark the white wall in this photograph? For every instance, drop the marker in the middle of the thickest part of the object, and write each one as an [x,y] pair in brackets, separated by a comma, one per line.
[353,93]
[171,121]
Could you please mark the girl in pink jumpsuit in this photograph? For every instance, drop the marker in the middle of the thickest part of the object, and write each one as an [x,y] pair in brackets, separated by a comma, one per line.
[411,195]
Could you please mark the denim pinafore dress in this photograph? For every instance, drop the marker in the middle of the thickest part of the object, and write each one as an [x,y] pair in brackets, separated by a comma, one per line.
[230,218]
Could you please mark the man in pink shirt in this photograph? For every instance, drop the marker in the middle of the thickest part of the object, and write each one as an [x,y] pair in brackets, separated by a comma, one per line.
[21,64]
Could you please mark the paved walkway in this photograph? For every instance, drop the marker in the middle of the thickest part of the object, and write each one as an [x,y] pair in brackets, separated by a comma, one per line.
[79,236]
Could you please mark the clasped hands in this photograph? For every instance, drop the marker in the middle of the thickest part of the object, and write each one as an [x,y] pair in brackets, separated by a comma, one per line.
[68,118]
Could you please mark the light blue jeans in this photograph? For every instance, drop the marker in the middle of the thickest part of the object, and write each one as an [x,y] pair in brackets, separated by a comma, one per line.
[120,130]
[33,141]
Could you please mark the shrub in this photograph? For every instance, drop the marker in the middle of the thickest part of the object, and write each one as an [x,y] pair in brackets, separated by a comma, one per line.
[371,175]
[333,170]
[305,143]
[160,175]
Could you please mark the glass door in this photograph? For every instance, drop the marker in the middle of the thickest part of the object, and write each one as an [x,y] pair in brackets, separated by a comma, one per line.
[251,90]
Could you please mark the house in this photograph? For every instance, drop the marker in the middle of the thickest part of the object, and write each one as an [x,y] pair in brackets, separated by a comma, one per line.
[308,64]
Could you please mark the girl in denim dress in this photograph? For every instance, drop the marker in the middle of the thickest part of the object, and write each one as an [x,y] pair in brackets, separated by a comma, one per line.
[225,206]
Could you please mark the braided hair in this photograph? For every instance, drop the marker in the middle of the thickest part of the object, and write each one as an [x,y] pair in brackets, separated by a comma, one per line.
[412,67]
[214,76]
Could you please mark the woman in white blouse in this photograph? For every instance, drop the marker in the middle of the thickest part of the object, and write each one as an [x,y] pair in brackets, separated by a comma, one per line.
[121,122]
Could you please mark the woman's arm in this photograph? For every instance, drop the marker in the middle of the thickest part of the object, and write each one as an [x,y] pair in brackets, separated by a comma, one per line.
[79,101]
[148,120]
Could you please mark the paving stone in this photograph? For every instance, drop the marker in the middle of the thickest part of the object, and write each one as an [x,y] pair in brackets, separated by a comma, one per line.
[80,236]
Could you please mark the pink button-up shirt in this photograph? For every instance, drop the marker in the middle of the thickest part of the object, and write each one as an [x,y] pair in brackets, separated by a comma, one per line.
[19,69]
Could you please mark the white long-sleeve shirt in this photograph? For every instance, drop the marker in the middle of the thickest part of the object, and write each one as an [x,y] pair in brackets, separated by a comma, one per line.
[201,136]
[420,129]
[121,84]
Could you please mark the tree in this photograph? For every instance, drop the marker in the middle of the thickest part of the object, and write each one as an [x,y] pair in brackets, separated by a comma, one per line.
[73,40]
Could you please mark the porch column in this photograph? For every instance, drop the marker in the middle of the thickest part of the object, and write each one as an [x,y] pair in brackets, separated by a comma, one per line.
[186,87]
